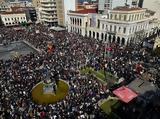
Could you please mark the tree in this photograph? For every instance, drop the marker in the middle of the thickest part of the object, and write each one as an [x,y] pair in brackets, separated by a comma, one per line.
[157,51]
[24,24]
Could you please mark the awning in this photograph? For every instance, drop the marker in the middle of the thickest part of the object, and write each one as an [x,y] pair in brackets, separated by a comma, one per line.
[57,28]
[141,86]
[125,94]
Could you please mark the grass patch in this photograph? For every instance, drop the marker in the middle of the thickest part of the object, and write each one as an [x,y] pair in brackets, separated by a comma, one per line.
[40,98]
[108,106]
[105,77]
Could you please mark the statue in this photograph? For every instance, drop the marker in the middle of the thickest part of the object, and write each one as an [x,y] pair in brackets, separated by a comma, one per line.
[50,82]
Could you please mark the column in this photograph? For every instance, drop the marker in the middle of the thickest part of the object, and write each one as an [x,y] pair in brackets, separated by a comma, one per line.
[111,38]
[120,42]
[88,33]
[126,41]
[95,35]
[91,34]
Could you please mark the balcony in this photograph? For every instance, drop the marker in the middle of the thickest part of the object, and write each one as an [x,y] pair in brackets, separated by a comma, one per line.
[48,13]
[48,5]
[49,17]
[47,1]
[49,20]
[49,9]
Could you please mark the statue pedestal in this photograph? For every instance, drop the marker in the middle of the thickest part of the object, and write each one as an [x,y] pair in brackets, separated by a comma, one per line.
[44,93]
[49,88]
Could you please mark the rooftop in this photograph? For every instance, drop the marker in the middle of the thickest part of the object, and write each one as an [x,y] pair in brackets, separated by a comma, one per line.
[85,11]
[12,12]
[21,8]
[126,8]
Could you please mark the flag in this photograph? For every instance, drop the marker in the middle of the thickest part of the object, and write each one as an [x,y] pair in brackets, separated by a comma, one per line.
[50,47]
[109,51]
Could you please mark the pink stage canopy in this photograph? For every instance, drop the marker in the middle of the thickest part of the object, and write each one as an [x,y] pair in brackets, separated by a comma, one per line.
[125,94]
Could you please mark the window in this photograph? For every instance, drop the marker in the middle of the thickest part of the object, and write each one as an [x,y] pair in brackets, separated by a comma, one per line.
[110,27]
[80,22]
[120,17]
[133,29]
[132,17]
[138,17]
[130,30]
[136,29]
[5,19]
[102,26]
[125,17]
[12,18]
[119,29]
[115,28]
[107,16]
[124,30]
[106,28]
[8,19]
[115,17]
[135,17]
[129,18]
[98,23]
[111,16]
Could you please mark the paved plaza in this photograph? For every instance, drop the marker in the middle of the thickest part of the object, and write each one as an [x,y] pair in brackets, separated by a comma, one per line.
[19,47]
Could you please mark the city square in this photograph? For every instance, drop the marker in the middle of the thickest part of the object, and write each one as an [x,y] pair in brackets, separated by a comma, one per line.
[95,60]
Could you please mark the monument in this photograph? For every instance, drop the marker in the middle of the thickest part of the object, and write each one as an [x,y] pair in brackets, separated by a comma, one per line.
[50,90]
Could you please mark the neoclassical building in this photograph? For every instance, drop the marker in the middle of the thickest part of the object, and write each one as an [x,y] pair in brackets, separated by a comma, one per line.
[13,18]
[121,24]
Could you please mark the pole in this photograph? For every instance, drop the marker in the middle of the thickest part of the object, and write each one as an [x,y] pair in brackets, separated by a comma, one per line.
[105,51]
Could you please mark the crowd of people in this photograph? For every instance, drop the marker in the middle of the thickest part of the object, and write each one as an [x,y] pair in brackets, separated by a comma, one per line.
[71,53]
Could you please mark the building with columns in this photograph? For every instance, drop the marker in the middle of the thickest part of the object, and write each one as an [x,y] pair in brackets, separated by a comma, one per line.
[77,20]
[13,18]
[121,24]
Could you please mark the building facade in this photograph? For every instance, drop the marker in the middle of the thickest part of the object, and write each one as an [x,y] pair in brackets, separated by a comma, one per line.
[29,11]
[4,7]
[36,3]
[60,12]
[104,5]
[2,1]
[30,14]
[153,5]
[13,18]
[69,5]
[123,25]
[48,12]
